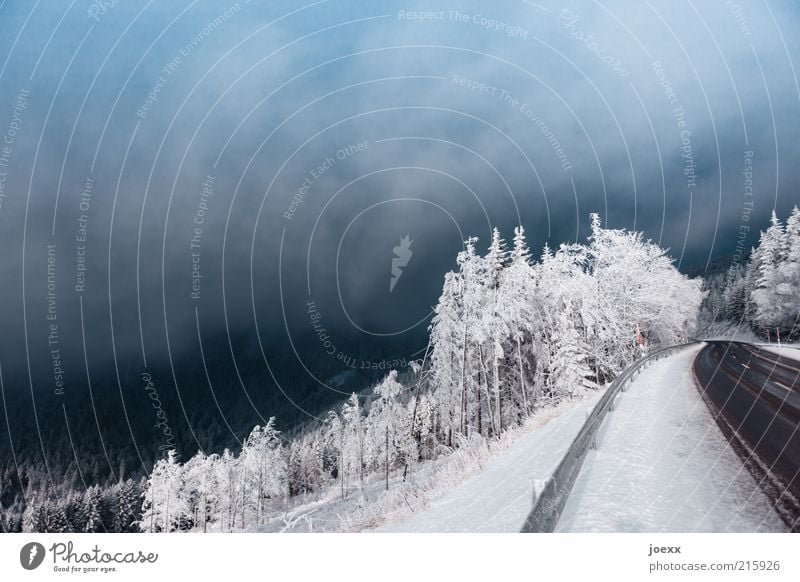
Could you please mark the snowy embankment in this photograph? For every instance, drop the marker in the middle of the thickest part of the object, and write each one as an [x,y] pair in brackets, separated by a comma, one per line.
[484,486]
[499,498]
[662,464]
[786,350]
[729,330]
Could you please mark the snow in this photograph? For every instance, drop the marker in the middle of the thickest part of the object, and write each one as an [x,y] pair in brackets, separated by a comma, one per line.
[730,331]
[500,498]
[787,350]
[663,465]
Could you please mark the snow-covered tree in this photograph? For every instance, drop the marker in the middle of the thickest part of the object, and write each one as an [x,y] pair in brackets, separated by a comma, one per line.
[492,328]
[229,476]
[448,338]
[388,436]
[735,293]
[164,501]
[640,293]
[93,511]
[352,443]
[128,506]
[306,464]
[789,289]
[765,291]
[569,369]
[264,467]
[766,277]
[517,301]
[457,334]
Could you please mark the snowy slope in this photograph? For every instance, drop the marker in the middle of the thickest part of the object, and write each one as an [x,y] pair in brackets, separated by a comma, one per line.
[499,498]
[663,465]
[787,350]
[730,330]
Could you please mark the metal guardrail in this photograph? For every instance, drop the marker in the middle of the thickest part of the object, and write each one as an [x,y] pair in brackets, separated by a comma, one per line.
[550,502]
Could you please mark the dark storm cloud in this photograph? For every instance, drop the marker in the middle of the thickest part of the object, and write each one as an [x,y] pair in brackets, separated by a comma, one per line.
[247,117]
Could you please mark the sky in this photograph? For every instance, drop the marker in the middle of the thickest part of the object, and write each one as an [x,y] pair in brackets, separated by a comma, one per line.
[303,174]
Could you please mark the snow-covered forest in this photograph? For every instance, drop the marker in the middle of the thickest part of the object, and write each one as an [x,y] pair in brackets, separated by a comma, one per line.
[764,291]
[511,336]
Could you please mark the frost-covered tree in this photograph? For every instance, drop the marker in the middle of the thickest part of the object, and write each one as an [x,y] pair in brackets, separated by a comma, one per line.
[457,333]
[128,506]
[492,327]
[229,476]
[448,338]
[734,294]
[264,467]
[766,276]
[306,464]
[569,369]
[517,301]
[388,442]
[566,297]
[164,504]
[93,510]
[790,271]
[34,518]
[202,484]
[473,357]
[352,443]
[59,523]
[765,291]
[640,293]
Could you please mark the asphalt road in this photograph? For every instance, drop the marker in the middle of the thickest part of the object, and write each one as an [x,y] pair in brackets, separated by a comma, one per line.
[754,395]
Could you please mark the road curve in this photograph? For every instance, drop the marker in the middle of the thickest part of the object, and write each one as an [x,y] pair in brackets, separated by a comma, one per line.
[754,395]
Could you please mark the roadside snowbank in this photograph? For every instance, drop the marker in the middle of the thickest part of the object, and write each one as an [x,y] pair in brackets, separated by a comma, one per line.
[788,350]
[499,498]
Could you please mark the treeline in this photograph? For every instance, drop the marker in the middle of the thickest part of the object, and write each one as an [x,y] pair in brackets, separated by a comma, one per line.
[95,443]
[764,291]
[113,508]
[509,336]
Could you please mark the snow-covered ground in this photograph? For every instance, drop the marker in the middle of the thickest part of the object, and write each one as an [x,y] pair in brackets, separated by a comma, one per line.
[788,350]
[499,498]
[663,465]
[485,485]
[729,330]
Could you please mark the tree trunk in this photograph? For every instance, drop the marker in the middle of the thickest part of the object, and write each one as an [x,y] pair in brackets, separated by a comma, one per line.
[478,413]
[341,459]
[416,403]
[498,409]
[463,423]
[361,463]
[522,379]
[205,509]
[387,456]
[231,505]
[244,498]
[485,375]
[166,516]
